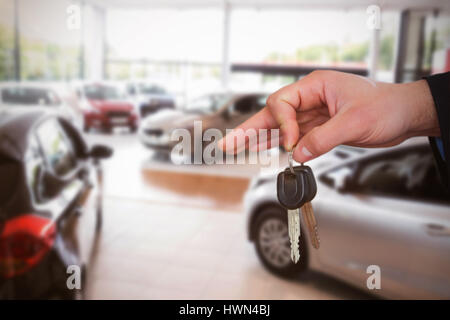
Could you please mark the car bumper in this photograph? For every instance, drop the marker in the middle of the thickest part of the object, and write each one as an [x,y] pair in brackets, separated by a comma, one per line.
[160,142]
[104,120]
[39,282]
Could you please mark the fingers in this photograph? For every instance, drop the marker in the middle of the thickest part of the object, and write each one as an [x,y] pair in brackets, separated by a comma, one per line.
[322,139]
[236,140]
[284,104]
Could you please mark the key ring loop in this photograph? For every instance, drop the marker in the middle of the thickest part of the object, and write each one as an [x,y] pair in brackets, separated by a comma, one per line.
[291,168]
[291,160]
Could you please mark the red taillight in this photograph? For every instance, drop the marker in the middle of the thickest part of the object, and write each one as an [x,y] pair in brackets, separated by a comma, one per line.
[23,243]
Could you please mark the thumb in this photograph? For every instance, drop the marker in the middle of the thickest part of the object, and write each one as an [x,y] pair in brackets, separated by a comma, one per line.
[322,139]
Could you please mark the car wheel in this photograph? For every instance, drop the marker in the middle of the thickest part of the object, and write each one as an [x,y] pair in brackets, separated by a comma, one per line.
[273,245]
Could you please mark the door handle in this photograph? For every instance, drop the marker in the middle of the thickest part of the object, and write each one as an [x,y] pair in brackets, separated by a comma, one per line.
[434,229]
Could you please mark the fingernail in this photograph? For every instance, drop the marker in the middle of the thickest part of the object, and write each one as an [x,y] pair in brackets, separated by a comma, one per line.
[306,152]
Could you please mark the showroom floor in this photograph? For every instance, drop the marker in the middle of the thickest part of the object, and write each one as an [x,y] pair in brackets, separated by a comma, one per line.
[181,234]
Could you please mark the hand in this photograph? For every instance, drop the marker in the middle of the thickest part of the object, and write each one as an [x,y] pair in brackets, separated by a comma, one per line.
[328,108]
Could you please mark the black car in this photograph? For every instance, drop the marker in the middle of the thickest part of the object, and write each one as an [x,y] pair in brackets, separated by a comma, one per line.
[50,200]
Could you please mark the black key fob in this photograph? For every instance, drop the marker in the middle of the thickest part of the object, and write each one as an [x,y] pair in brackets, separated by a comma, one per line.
[294,189]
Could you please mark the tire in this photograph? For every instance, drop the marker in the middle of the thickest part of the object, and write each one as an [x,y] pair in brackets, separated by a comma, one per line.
[271,226]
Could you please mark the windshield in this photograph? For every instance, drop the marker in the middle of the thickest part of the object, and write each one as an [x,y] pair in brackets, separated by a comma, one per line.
[150,89]
[207,104]
[101,92]
[30,96]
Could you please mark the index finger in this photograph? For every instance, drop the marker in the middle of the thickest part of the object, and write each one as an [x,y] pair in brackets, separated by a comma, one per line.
[263,119]
[284,104]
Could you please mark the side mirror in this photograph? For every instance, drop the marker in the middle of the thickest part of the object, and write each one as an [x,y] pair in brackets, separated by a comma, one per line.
[99,151]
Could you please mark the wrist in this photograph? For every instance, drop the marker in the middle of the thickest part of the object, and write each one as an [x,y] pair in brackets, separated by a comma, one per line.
[420,109]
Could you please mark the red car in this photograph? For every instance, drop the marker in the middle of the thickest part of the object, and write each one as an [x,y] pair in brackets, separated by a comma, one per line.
[104,107]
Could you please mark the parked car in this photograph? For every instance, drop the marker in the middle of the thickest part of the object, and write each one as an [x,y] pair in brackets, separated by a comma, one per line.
[149,98]
[382,207]
[50,205]
[220,110]
[104,106]
[25,97]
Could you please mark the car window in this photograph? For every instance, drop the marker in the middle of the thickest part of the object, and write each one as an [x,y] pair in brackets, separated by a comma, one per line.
[408,173]
[151,89]
[249,104]
[56,147]
[30,96]
[244,105]
[101,92]
[207,104]
[260,102]
[131,90]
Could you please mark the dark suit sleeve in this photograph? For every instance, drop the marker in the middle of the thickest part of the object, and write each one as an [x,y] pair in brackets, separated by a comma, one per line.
[440,89]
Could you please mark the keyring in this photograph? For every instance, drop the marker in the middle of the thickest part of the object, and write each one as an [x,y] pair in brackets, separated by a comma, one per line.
[290,161]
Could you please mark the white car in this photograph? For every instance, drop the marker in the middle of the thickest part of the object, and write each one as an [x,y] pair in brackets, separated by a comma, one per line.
[149,98]
[25,97]
[382,208]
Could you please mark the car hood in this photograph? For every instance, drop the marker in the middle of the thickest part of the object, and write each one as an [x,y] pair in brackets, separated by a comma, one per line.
[111,105]
[170,118]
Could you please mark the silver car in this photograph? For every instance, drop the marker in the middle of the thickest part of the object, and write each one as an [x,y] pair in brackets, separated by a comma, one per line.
[26,97]
[217,110]
[380,207]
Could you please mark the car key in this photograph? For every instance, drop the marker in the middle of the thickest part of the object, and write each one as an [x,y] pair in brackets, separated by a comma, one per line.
[311,224]
[307,209]
[296,187]
[291,195]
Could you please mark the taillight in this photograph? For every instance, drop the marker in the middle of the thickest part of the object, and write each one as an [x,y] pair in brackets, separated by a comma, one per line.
[24,241]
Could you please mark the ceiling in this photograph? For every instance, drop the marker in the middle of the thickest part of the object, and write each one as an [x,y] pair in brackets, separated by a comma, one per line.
[308,4]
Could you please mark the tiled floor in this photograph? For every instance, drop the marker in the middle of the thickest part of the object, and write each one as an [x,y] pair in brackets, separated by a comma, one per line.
[154,251]
[159,242]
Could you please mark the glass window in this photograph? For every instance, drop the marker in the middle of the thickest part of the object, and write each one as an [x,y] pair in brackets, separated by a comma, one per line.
[207,104]
[244,105]
[261,102]
[150,89]
[101,92]
[400,174]
[56,147]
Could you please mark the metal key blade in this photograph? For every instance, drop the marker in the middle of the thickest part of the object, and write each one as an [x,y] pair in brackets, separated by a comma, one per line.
[294,233]
[311,224]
